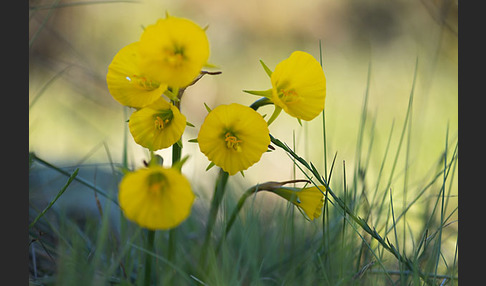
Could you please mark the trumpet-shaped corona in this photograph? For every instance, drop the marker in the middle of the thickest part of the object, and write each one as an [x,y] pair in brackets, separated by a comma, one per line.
[310,200]
[158,125]
[233,137]
[127,83]
[156,197]
[173,51]
[299,86]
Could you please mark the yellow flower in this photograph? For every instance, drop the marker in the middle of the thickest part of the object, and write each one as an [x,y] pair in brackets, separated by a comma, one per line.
[309,200]
[156,197]
[299,86]
[127,83]
[158,125]
[233,137]
[173,51]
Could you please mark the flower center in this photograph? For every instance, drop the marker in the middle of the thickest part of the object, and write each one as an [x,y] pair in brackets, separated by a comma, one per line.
[160,123]
[288,96]
[174,57]
[157,182]
[143,83]
[163,119]
[232,142]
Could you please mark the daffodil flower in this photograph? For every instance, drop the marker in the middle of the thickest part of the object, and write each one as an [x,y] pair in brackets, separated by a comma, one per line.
[173,51]
[309,200]
[158,125]
[298,87]
[127,83]
[156,197]
[233,137]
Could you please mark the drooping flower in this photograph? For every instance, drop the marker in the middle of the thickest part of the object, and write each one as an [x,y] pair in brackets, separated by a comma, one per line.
[234,137]
[310,200]
[173,51]
[127,83]
[158,125]
[156,197]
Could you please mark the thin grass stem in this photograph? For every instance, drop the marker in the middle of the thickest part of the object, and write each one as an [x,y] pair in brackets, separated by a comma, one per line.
[442,198]
[51,9]
[213,212]
[78,179]
[400,142]
[59,194]
[362,223]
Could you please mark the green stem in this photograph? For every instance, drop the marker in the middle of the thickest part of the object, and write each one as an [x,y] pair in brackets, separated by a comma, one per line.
[361,222]
[268,186]
[176,157]
[213,211]
[148,257]
[261,102]
[235,213]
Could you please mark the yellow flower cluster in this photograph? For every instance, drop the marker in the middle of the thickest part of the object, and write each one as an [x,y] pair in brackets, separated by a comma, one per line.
[169,56]
[234,137]
[150,75]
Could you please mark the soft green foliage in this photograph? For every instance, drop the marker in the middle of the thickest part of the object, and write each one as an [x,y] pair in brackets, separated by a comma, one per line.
[363,238]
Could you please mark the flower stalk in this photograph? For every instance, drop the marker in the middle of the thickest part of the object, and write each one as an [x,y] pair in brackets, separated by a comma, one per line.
[213,211]
[148,257]
[176,157]
[268,186]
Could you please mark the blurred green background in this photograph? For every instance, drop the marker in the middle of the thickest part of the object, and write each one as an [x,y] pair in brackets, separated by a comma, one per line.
[73,118]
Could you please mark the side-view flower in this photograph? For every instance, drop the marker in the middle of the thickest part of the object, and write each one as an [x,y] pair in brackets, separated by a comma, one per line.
[309,200]
[298,87]
[128,83]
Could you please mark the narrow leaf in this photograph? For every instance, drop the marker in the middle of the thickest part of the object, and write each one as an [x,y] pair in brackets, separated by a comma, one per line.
[210,166]
[207,107]
[267,70]
[71,178]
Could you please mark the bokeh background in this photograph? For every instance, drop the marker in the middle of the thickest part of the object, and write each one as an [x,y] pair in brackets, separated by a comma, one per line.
[73,119]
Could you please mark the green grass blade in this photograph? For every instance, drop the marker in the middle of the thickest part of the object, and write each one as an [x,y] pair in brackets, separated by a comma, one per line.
[402,135]
[59,194]
[80,180]
[44,22]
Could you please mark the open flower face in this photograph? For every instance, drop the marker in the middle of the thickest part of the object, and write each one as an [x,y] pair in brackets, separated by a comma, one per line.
[299,86]
[127,83]
[156,197]
[309,200]
[158,125]
[234,137]
[173,51]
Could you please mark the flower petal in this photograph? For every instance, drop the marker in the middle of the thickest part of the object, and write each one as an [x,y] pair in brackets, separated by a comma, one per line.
[126,81]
